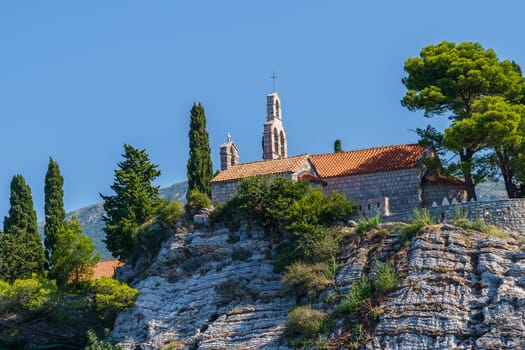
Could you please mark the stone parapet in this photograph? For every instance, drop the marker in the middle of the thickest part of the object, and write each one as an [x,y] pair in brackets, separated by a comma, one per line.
[505,213]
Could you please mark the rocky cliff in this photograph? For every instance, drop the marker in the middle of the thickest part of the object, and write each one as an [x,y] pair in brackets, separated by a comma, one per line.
[216,290]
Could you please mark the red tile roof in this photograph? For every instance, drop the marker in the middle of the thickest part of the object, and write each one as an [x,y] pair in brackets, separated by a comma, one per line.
[106,268]
[365,161]
[263,167]
[436,179]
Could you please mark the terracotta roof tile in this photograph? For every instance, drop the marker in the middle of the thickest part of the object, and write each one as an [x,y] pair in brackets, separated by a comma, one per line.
[365,161]
[436,179]
[105,268]
[263,167]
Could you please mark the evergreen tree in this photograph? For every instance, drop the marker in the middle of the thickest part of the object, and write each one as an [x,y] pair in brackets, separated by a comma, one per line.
[337,146]
[55,215]
[199,163]
[136,201]
[449,79]
[73,258]
[21,250]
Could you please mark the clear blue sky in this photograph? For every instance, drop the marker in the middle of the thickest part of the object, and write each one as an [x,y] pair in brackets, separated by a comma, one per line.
[79,79]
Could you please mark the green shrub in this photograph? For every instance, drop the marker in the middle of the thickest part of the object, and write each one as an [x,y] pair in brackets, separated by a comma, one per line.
[306,279]
[94,343]
[386,277]
[266,200]
[228,214]
[197,201]
[304,321]
[316,208]
[461,220]
[366,224]
[170,214]
[112,296]
[314,244]
[357,336]
[359,291]
[420,219]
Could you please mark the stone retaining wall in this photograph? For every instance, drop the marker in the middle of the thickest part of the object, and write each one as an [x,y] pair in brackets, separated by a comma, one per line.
[505,213]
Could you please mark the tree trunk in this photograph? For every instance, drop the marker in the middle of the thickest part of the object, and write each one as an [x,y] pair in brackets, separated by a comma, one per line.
[507,172]
[466,166]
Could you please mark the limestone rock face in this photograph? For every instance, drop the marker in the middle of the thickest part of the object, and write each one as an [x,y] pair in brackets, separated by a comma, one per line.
[213,290]
[463,290]
[206,292]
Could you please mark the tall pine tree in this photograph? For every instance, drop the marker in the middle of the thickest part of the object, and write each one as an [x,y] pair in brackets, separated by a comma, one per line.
[136,201]
[199,164]
[55,215]
[21,250]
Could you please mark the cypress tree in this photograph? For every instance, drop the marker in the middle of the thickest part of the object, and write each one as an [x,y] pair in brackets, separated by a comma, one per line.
[136,201]
[337,146]
[55,215]
[21,250]
[199,163]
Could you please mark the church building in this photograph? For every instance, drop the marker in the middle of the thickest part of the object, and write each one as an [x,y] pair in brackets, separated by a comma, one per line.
[381,180]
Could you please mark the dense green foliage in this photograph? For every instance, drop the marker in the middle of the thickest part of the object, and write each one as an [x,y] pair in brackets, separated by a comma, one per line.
[27,297]
[73,255]
[476,91]
[112,296]
[91,305]
[196,201]
[294,214]
[21,250]
[135,202]
[304,321]
[199,169]
[169,214]
[54,212]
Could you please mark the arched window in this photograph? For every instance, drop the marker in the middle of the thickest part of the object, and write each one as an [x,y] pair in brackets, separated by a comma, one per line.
[275,141]
[283,148]
[233,157]
[277,108]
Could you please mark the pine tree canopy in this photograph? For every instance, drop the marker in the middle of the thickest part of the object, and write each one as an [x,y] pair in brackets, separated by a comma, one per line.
[136,201]
[200,169]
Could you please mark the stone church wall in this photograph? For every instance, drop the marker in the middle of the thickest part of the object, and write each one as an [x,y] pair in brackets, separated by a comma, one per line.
[401,187]
[222,191]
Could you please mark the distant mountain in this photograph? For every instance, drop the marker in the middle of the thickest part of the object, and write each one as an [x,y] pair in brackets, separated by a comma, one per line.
[90,217]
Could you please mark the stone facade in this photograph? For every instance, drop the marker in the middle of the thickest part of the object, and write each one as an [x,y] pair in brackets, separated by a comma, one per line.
[401,188]
[222,191]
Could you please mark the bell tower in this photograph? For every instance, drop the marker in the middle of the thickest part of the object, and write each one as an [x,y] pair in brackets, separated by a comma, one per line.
[274,136]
